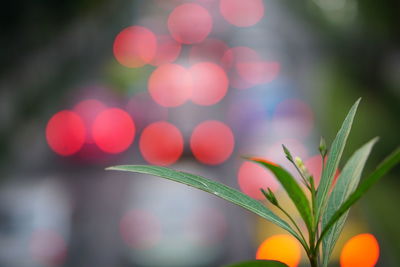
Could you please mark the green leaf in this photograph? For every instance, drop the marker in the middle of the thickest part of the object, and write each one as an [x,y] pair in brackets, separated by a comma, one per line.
[391,161]
[215,188]
[345,185]
[258,263]
[292,188]
[334,156]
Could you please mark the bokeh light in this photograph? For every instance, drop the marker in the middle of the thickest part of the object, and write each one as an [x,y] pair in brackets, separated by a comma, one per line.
[360,251]
[161,143]
[210,50]
[170,85]
[252,177]
[234,57]
[212,142]
[65,133]
[47,247]
[258,72]
[113,130]
[242,13]
[283,248]
[140,229]
[135,46]
[189,23]
[88,111]
[314,166]
[210,83]
[168,50]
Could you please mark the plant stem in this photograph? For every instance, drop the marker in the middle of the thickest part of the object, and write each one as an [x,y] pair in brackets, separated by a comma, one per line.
[295,225]
[313,260]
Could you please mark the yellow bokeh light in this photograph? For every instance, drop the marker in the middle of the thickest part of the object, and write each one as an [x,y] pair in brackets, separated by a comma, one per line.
[360,251]
[283,248]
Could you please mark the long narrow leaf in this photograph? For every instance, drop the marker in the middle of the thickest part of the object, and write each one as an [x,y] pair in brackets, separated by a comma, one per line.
[346,184]
[292,188]
[391,161]
[334,156]
[215,188]
[259,263]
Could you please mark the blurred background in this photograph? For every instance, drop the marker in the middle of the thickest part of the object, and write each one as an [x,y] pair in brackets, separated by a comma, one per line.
[193,85]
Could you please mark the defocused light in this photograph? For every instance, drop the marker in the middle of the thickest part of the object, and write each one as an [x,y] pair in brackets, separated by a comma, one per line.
[235,56]
[252,177]
[189,23]
[113,130]
[65,133]
[170,85]
[360,251]
[242,13]
[258,72]
[210,83]
[212,142]
[283,248]
[48,248]
[140,229]
[239,54]
[161,143]
[314,166]
[210,50]
[167,50]
[88,111]
[135,46]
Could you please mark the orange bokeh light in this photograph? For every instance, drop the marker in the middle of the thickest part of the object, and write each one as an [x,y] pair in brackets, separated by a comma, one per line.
[210,83]
[210,50]
[212,142]
[360,251]
[161,143]
[113,130]
[283,248]
[135,46]
[170,85]
[189,23]
[167,50]
[242,13]
[252,177]
[65,133]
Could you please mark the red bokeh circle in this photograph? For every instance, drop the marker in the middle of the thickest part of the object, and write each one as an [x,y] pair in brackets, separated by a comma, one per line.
[170,85]
[242,13]
[252,177]
[135,46]
[167,51]
[210,83]
[65,133]
[161,143]
[113,130]
[212,142]
[233,58]
[189,23]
